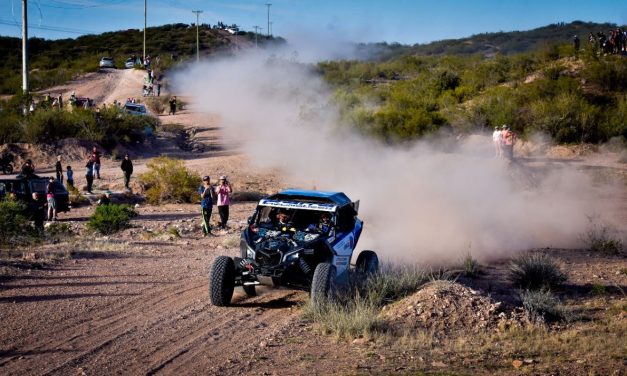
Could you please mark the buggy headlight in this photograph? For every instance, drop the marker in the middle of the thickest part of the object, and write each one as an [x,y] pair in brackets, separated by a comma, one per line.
[250,253]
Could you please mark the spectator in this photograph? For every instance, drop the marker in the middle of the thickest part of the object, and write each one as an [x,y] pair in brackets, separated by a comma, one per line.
[576,43]
[223,194]
[158,88]
[70,176]
[497,139]
[38,211]
[89,174]
[95,155]
[28,168]
[59,169]
[509,139]
[105,199]
[127,168]
[172,106]
[206,204]
[52,202]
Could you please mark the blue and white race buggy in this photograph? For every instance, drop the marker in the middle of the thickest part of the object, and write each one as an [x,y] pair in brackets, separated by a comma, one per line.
[295,238]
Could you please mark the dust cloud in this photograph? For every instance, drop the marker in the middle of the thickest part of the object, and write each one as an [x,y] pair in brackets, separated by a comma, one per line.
[423,203]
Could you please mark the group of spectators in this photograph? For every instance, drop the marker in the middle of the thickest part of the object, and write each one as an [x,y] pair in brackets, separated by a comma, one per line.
[152,84]
[220,195]
[504,139]
[614,42]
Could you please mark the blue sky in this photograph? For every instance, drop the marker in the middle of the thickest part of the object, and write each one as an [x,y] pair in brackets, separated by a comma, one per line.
[403,21]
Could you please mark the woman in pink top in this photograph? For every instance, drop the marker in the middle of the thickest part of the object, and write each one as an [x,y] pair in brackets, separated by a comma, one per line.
[223,192]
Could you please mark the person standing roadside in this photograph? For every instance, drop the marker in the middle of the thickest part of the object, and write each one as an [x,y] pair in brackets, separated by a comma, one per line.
[52,202]
[509,138]
[70,176]
[206,204]
[38,212]
[95,155]
[172,106]
[89,174]
[497,139]
[223,192]
[59,169]
[127,168]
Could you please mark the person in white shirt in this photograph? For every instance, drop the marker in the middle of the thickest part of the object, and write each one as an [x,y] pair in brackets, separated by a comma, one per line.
[497,139]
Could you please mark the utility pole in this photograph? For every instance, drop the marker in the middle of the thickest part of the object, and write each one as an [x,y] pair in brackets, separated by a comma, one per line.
[145,17]
[24,48]
[270,28]
[257,28]
[268,5]
[197,40]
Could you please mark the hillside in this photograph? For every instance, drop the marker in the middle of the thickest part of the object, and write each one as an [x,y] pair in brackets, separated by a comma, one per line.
[489,44]
[54,62]
[572,97]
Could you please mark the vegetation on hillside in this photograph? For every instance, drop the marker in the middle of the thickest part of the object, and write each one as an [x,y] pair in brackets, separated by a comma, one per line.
[573,97]
[490,44]
[53,62]
[108,127]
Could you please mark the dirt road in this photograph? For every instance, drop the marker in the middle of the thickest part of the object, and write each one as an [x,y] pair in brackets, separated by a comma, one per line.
[135,307]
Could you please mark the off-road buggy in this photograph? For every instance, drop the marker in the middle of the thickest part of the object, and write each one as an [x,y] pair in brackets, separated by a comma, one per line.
[298,239]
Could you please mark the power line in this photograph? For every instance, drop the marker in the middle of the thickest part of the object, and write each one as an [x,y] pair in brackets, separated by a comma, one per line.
[50,28]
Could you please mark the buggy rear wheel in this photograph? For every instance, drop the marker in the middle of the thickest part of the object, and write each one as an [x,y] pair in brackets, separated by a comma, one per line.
[222,281]
[367,263]
[8,169]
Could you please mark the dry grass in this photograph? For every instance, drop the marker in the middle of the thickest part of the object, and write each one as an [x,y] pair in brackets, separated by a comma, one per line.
[354,311]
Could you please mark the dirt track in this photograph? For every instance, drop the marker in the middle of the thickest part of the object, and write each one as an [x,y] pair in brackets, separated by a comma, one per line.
[134,307]
[137,303]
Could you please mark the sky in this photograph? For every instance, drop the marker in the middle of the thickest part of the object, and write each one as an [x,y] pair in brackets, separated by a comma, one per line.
[403,21]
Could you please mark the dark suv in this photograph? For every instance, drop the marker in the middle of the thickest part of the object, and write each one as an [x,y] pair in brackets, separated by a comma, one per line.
[24,187]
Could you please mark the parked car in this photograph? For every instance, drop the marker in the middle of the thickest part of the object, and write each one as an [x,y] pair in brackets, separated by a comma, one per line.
[129,63]
[134,108]
[295,238]
[107,62]
[23,188]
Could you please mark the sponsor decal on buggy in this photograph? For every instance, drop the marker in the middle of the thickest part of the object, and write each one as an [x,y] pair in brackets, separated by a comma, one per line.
[298,205]
[341,260]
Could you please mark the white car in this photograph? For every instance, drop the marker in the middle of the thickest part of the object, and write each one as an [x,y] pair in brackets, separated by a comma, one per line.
[107,62]
[129,63]
[135,108]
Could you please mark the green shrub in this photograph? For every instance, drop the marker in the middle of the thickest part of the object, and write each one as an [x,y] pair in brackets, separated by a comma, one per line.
[168,180]
[542,306]
[14,225]
[535,271]
[602,238]
[470,266]
[157,105]
[108,219]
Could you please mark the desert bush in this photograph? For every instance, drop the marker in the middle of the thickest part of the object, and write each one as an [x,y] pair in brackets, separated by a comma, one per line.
[602,238]
[76,197]
[168,180]
[157,105]
[108,219]
[470,265]
[542,306]
[59,230]
[348,320]
[14,225]
[353,311]
[535,271]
